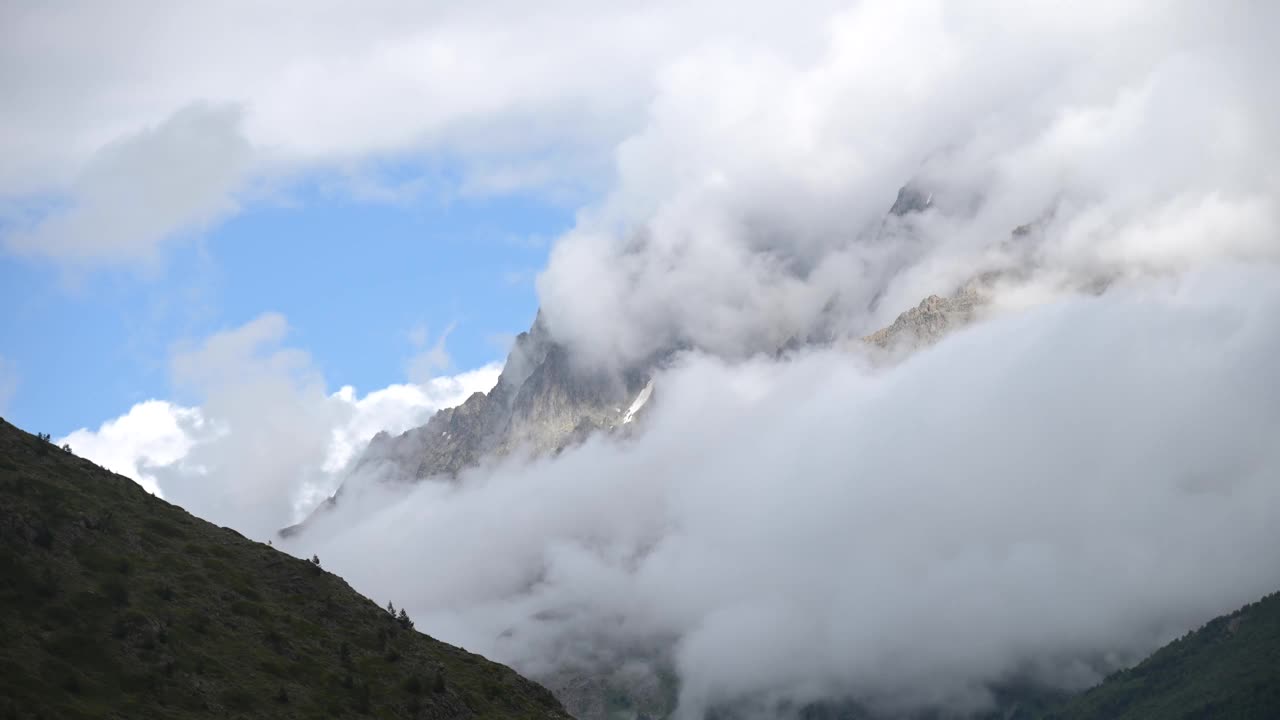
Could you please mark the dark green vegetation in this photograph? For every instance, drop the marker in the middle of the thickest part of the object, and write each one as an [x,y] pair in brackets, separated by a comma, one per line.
[116,604]
[1230,668]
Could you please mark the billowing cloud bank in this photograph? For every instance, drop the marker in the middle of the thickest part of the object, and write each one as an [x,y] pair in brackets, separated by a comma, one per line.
[1127,138]
[1041,496]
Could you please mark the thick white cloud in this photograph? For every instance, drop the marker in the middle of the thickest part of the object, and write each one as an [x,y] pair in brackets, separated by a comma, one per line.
[266,441]
[1043,496]
[750,208]
[153,433]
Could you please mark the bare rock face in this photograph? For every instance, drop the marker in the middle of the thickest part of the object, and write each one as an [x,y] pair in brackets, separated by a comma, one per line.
[558,404]
[927,322]
[542,404]
[911,199]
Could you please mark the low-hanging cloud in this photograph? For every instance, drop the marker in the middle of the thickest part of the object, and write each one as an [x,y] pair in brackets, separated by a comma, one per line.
[1040,497]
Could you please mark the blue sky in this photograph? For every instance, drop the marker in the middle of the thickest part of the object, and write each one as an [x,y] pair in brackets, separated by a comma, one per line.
[354,279]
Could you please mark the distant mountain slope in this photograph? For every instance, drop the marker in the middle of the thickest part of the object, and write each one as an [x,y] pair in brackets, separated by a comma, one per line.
[1230,668]
[116,604]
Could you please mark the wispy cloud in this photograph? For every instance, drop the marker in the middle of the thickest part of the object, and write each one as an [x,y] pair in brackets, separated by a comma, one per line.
[428,361]
[134,194]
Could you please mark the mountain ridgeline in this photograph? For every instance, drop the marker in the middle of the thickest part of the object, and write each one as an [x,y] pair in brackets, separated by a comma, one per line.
[116,604]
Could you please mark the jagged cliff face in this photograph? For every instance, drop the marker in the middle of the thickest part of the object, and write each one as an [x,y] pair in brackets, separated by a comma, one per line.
[927,322]
[542,403]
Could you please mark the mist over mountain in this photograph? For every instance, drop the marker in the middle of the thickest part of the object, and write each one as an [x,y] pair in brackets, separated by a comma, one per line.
[913,355]
[1049,495]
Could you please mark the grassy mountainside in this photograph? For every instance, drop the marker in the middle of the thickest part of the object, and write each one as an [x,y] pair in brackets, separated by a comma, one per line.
[1230,668]
[116,604]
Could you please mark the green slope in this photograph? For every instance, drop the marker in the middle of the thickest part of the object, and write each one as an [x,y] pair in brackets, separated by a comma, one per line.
[1230,668]
[114,603]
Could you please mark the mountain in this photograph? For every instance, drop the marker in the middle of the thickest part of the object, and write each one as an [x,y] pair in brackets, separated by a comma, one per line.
[543,402]
[116,604]
[1230,668]
[927,322]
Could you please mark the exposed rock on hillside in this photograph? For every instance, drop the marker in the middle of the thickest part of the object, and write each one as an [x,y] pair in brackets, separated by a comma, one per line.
[927,322]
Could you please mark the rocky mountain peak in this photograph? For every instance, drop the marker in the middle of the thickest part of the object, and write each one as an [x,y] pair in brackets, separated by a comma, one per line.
[927,322]
[542,403]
